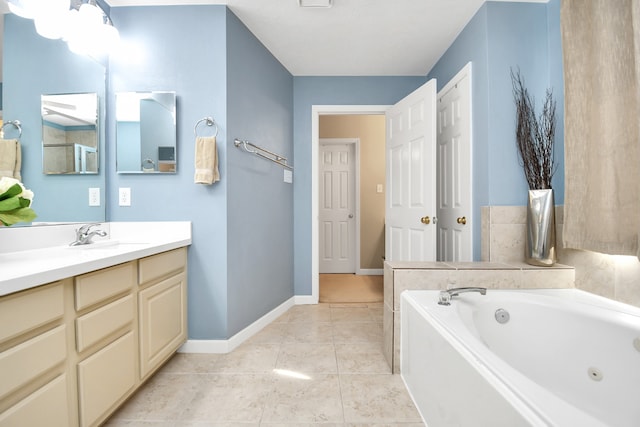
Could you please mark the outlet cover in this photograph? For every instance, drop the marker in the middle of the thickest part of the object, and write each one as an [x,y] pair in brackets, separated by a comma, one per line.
[94,196]
[124,196]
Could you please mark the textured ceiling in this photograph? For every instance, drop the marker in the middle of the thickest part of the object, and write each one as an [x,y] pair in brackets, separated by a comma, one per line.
[352,38]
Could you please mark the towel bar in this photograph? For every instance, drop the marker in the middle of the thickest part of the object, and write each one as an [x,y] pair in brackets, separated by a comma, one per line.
[265,154]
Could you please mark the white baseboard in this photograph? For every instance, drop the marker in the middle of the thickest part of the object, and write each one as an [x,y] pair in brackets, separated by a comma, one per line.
[305,299]
[370,271]
[228,345]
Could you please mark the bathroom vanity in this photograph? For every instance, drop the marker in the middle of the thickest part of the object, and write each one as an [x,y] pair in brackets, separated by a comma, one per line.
[75,348]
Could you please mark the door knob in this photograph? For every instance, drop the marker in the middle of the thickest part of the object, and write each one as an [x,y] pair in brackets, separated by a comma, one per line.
[350,215]
[425,220]
[462,220]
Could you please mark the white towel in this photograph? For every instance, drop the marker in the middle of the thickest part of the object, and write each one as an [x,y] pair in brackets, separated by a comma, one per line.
[10,158]
[206,155]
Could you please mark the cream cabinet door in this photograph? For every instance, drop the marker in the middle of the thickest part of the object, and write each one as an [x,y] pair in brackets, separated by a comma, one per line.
[163,321]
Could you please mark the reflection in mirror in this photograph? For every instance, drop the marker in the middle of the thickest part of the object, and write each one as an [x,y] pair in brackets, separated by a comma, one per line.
[32,66]
[146,132]
[70,133]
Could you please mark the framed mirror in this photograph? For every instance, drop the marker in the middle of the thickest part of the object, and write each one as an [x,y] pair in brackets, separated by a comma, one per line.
[70,133]
[146,132]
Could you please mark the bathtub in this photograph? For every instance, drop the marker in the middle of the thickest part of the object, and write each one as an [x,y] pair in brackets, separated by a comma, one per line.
[561,358]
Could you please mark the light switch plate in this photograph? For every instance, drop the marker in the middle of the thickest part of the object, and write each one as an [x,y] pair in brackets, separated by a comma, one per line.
[379,188]
[288,176]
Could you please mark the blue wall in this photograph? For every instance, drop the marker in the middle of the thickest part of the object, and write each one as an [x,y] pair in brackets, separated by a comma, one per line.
[259,202]
[501,36]
[35,66]
[182,49]
[309,91]
[241,259]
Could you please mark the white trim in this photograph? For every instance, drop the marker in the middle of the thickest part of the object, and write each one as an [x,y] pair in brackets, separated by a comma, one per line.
[226,346]
[370,272]
[355,141]
[307,299]
[316,111]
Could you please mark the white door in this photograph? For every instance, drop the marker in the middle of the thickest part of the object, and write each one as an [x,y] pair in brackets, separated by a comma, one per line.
[410,199]
[337,208]
[454,169]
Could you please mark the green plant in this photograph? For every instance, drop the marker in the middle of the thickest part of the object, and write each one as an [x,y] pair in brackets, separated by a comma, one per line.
[534,135]
[15,202]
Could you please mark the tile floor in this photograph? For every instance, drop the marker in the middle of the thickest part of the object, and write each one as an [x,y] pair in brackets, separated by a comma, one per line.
[334,351]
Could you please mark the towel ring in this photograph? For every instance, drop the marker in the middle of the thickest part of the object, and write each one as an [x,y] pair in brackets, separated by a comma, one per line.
[14,123]
[209,122]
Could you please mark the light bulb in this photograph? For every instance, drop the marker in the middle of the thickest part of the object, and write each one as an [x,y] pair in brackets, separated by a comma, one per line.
[23,8]
[106,39]
[91,15]
[51,18]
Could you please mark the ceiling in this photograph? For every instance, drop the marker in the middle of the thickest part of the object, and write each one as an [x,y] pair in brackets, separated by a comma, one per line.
[353,37]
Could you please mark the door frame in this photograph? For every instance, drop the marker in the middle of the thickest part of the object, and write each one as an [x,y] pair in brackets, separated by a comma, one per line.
[316,112]
[356,206]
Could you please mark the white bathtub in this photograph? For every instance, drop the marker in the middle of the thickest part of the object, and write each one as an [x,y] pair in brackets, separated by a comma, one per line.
[564,358]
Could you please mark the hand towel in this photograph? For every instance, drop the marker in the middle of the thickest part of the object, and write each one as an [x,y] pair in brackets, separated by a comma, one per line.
[10,158]
[206,155]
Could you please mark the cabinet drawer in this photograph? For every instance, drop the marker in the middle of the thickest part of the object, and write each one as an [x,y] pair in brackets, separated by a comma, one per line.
[157,266]
[25,311]
[98,286]
[105,378]
[29,360]
[47,406]
[96,325]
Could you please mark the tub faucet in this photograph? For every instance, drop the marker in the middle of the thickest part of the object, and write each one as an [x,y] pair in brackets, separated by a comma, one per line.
[84,235]
[445,296]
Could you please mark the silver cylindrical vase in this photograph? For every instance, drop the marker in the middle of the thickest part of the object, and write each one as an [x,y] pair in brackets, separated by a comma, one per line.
[540,247]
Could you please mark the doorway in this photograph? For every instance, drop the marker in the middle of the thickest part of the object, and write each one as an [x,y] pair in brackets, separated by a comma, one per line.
[369,245]
[320,110]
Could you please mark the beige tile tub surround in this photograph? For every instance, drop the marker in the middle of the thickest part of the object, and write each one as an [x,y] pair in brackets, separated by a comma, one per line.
[401,276]
[610,276]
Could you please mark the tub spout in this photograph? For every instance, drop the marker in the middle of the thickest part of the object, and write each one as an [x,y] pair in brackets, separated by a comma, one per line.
[445,296]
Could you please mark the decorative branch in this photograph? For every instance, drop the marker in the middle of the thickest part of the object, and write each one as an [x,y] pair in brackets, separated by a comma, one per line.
[534,136]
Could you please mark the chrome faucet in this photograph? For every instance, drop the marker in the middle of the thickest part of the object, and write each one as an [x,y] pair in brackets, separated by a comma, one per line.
[84,235]
[445,296]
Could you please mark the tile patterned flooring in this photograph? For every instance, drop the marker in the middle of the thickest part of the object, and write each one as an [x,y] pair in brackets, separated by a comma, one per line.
[336,351]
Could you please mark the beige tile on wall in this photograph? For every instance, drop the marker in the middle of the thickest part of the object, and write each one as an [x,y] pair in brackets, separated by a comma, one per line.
[610,276]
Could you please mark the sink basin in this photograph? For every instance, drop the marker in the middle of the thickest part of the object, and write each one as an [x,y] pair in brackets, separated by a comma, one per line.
[97,244]
[105,244]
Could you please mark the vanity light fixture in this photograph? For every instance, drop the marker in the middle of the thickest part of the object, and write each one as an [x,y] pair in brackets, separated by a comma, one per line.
[83,24]
[315,3]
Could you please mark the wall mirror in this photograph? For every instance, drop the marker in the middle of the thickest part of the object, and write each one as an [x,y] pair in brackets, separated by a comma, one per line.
[70,133]
[32,66]
[146,132]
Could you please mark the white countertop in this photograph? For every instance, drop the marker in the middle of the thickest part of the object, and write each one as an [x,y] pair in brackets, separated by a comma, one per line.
[44,254]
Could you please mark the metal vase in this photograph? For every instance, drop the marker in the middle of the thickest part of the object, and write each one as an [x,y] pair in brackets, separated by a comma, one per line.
[540,248]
